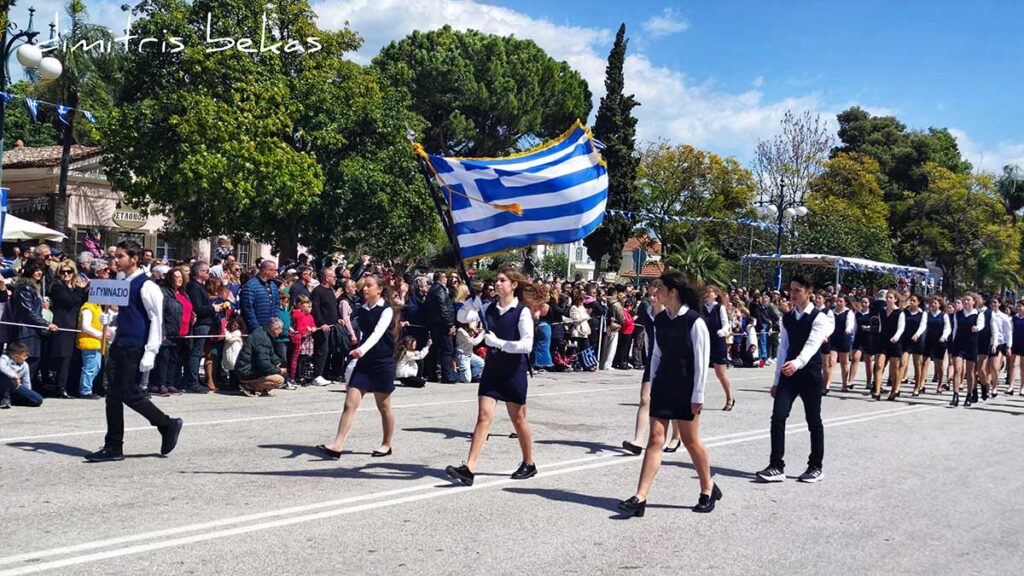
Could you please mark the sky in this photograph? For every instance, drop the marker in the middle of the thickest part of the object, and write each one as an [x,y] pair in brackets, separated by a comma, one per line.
[719,75]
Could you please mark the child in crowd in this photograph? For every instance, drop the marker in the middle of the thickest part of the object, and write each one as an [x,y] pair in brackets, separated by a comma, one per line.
[281,342]
[468,337]
[232,344]
[407,370]
[15,381]
[90,342]
[303,327]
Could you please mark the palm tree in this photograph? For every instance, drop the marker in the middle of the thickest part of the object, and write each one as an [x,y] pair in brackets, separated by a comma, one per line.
[87,78]
[699,262]
[990,270]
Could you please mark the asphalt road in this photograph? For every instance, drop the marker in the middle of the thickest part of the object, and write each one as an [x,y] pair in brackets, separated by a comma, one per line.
[911,487]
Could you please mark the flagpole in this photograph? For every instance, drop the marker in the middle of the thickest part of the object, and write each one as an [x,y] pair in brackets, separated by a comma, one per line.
[449,227]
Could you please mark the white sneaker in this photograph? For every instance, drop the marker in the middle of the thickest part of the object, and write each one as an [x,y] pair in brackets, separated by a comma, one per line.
[321,381]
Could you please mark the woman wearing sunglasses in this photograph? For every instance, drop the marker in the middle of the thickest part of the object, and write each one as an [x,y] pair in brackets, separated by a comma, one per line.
[67,295]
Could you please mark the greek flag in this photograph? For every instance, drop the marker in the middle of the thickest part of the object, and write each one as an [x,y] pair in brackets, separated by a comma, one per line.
[553,194]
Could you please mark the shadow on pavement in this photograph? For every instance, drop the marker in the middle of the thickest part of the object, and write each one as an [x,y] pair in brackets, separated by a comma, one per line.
[716,470]
[448,433]
[295,450]
[367,471]
[65,450]
[592,447]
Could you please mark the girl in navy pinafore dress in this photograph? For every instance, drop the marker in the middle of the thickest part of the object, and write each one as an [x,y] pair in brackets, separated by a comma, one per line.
[373,369]
[508,322]
[1016,350]
[967,324]
[679,362]
[717,321]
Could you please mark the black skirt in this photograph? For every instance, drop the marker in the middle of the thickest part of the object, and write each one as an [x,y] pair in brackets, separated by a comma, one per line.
[374,375]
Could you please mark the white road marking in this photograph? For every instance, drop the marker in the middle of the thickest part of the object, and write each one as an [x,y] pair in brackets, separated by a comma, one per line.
[361,503]
[337,411]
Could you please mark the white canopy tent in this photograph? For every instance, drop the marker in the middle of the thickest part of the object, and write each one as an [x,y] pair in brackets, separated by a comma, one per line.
[841,263]
[19,229]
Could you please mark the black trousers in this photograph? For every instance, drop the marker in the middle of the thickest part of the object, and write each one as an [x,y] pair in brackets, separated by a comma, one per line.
[442,351]
[321,351]
[167,369]
[807,387]
[126,390]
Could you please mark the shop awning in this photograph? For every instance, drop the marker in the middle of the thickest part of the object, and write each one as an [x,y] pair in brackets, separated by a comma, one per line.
[18,229]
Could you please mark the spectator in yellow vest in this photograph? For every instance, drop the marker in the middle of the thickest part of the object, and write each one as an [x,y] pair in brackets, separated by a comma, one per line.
[89,341]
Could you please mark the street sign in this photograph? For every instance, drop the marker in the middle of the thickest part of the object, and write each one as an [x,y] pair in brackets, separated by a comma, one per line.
[109,292]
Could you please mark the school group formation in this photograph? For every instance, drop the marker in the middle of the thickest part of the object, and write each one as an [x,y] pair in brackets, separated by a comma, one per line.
[390,323]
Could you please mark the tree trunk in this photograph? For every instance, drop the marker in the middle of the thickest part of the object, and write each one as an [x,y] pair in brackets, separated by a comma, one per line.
[287,243]
[60,205]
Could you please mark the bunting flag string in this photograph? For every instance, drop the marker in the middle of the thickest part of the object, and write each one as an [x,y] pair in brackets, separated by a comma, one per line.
[646,215]
[33,107]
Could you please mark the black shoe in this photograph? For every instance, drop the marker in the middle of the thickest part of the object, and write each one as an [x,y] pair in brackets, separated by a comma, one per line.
[967,403]
[974,396]
[525,471]
[5,403]
[105,454]
[956,399]
[463,474]
[92,397]
[197,389]
[771,474]
[812,475]
[328,453]
[670,448]
[984,393]
[633,507]
[707,501]
[170,436]
[379,454]
[633,448]
[729,405]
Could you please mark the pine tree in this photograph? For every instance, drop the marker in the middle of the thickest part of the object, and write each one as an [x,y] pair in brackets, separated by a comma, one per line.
[616,128]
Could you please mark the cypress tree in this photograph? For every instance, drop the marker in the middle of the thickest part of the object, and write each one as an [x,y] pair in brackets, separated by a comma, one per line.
[616,128]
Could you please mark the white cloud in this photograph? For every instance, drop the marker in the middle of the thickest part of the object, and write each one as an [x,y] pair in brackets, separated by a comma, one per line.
[667,23]
[673,106]
[989,159]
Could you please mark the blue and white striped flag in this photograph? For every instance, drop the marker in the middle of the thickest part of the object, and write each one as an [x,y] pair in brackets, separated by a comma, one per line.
[553,194]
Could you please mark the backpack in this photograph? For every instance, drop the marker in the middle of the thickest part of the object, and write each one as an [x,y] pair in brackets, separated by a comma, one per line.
[627,322]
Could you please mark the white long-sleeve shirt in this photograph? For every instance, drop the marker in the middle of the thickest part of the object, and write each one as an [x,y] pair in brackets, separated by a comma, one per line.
[725,330]
[901,324]
[407,366]
[153,302]
[1002,329]
[851,322]
[922,327]
[701,339]
[464,343]
[525,343]
[12,369]
[820,331]
[383,325]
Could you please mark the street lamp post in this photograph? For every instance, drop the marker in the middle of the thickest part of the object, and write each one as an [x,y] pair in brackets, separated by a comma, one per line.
[781,209]
[30,56]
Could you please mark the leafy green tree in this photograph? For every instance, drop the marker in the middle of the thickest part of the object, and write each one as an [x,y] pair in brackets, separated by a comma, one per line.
[959,217]
[481,94]
[847,215]
[616,128]
[285,146]
[18,124]
[684,181]
[700,262]
[554,264]
[1010,186]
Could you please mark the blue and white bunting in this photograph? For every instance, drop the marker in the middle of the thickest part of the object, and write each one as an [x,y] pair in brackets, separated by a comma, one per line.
[663,217]
[33,107]
[62,113]
[89,116]
[553,194]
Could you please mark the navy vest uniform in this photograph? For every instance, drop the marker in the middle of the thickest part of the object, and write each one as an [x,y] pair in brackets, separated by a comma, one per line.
[985,335]
[713,318]
[890,324]
[672,384]
[912,323]
[504,375]
[375,370]
[649,343]
[133,320]
[840,340]
[864,338]
[932,347]
[965,342]
[1018,335]
[797,334]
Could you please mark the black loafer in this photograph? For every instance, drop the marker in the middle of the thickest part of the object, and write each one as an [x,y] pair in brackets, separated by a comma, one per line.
[170,436]
[707,501]
[525,471]
[379,454]
[633,507]
[633,448]
[328,453]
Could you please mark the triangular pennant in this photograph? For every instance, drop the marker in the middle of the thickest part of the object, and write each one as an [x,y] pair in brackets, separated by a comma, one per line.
[88,116]
[7,97]
[62,113]
[33,107]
